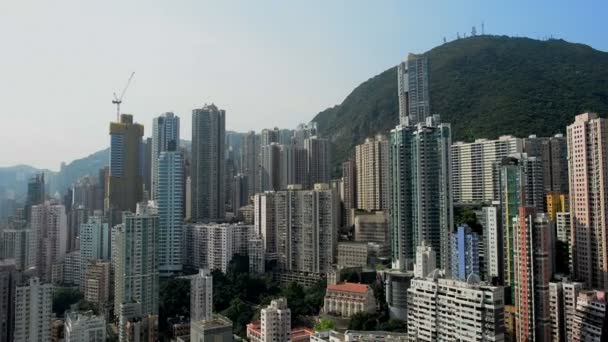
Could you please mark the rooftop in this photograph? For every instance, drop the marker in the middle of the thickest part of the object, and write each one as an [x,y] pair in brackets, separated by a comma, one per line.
[349,287]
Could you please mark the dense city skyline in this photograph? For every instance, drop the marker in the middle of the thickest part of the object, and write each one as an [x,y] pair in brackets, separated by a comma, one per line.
[71,73]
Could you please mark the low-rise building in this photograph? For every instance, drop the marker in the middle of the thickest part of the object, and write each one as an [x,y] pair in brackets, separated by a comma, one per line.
[218,328]
[347,299]
[84,327]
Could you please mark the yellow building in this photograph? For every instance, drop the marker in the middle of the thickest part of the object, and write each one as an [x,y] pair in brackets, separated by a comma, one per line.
[556,203]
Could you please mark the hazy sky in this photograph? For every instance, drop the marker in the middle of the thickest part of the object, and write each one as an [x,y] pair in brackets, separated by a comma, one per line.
[267,63]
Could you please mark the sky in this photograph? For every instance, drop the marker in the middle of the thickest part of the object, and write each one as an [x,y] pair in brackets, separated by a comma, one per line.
[267,63]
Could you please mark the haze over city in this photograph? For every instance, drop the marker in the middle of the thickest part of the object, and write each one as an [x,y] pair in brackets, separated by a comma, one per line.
[268,64]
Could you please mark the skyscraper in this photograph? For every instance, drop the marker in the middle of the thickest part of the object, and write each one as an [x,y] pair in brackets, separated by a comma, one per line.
[125,180]
[270,171]
[8,283]
[299,227]
[421,201]
[165,133]
[473,164]
[413,90]
[207,170]
[33,311]
[465,253]
[94,242]
[533,256]
[136,266]
[520,184]
[372,183]
[587,151]
[35,193]
[451,310]
[49,238]
[492,235]
[349,178]
[553,152]
[250,161]
[318,161]
[276,321]
[169,186]
[201,296]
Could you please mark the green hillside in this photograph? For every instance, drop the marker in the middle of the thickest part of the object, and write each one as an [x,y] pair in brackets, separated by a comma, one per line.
[484,86]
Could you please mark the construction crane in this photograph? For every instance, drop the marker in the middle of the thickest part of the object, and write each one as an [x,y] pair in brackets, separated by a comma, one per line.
[118,100]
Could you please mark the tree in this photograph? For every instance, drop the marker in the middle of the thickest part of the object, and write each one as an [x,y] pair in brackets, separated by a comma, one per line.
[324,324]
[240,313]
[174,300]
[363,321]
[64,298]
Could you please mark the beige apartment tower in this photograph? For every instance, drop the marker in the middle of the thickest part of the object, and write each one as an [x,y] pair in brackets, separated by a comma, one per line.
[371,159]
[588,175]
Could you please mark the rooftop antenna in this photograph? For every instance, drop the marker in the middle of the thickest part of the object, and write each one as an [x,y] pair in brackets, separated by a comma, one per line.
[118,100]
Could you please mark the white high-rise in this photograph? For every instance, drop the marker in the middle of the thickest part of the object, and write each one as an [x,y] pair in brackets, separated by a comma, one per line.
[425,261]
[84,327]
[165,131]
[201,296]
[49,237]
[492,235]
[214,245]
[372,185]
[451,310]
[136,267]
[300,226]
[170,201]
[276,321]
[473,174]
[94,242]
[33,311]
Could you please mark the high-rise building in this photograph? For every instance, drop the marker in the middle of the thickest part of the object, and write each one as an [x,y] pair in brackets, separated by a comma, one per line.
[207,170]
[492,235]
[35,193]
[372,227]
[147,166]
[413,90]
[250,161]
[303,132]
[563,225]
[533,256]
[8,283]
[451,310]
[84,327]
[134,325]
[169,186]
[125,180]
[519,185]
[201,296]
[465,253]
[270,171]
[97,283]
[553,152]
[587,151]
[426,261]
[218,328]
[94,243]
[213,245]
[556,203]
[255,252]
[276,321]
[318,161]
[16,244]
[165,133]
[473,174]
[562,305]
[421,197]
[588,323]
[49,237]
[33,311]
[372,183]
[136,261]
[270,136]
[299,227]
[349,178]
[239,192]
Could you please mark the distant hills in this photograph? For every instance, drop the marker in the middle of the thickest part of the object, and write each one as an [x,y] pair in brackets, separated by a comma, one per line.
[485,86]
